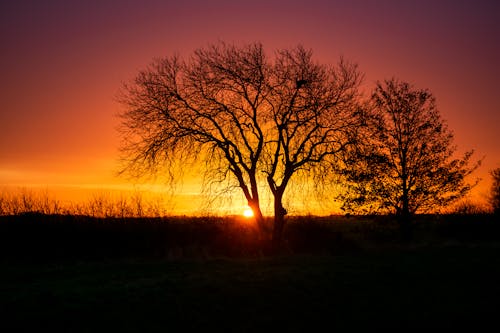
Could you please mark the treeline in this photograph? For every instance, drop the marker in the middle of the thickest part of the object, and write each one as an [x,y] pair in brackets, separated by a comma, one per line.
[106,205]
[100,204]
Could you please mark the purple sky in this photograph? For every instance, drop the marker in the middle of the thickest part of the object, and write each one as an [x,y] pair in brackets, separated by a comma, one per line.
[62,63]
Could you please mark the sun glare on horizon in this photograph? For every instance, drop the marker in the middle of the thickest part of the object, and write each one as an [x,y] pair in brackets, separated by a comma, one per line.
[248,212]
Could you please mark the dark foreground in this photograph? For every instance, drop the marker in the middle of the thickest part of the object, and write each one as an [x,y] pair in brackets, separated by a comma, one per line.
[448,279]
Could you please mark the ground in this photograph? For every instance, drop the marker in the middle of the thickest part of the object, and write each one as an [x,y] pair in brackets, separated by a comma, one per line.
[447,286]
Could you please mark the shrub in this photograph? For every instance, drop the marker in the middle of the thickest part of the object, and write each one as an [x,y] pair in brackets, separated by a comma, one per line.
[495,191]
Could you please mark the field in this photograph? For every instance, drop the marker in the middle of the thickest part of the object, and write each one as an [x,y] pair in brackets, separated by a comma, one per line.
[81,274]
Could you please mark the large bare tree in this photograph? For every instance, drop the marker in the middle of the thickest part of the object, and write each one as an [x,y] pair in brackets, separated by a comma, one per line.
[250,119]
[407,162]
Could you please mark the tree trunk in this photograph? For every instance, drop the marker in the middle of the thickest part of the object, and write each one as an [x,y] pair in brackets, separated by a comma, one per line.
[405,217]
[405,211]
[279,220]
[405,204]
[259,218]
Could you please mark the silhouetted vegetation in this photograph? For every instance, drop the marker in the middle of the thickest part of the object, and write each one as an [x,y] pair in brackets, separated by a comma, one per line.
[253,122]
[39,237]
[495,191]
[35,230]
[406,163]
[101,204]
[470,208]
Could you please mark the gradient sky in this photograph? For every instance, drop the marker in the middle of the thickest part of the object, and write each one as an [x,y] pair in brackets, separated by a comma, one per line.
[62,63]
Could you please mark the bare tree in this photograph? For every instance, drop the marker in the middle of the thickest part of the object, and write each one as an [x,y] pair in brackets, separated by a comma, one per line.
[251,120]
[406,164]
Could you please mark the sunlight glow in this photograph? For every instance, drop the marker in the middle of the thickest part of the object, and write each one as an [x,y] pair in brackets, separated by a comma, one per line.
[248,212]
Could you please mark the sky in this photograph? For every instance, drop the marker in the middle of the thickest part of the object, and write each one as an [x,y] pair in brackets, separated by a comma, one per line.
[63,62]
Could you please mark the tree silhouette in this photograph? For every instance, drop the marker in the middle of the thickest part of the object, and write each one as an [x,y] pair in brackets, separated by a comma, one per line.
[406,163]
[250,119]
[495,191]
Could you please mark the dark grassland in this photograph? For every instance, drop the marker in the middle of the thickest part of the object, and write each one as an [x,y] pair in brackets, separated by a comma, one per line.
[81,274]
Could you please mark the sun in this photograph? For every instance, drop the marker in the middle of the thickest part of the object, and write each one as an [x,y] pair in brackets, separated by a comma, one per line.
[248,212]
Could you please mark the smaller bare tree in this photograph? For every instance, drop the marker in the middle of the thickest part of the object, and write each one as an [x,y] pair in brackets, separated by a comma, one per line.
[406,163]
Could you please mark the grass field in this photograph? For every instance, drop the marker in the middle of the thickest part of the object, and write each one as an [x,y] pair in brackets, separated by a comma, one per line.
[447,278]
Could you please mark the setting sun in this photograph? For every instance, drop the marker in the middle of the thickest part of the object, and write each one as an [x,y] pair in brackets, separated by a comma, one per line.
[248,212]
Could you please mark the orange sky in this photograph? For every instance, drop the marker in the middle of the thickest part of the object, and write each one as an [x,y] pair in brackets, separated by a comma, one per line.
[62,63]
